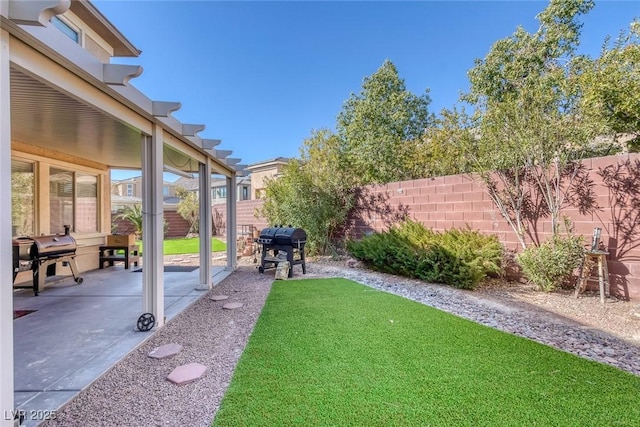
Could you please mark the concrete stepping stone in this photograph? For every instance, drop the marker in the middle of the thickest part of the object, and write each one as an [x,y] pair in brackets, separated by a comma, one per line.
[185,374]
[165,351]
[218,297]
[232,305]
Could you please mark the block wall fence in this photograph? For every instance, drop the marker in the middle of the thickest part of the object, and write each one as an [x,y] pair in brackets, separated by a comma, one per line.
[457,201]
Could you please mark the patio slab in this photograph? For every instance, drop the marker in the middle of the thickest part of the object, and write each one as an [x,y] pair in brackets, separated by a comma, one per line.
[80,331]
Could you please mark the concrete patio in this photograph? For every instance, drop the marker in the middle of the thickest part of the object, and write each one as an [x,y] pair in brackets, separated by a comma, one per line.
[77,332]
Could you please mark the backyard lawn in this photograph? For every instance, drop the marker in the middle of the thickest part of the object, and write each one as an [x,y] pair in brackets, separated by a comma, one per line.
[334,352]
[188,246]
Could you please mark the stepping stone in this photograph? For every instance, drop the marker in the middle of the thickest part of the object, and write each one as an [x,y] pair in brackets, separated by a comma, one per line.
[185,374]
[232,305]
[218,297]
[165,351]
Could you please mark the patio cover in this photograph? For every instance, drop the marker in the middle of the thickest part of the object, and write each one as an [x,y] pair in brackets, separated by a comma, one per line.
[55,96]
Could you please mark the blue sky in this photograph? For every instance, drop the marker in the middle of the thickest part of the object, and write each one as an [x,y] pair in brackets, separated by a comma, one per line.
[262,75]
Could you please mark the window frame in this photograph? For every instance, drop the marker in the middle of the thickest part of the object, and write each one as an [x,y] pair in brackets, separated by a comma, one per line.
[66,28]
[74,199]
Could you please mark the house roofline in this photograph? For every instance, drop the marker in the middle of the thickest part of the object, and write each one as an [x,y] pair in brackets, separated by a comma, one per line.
[265,163]
[86,11]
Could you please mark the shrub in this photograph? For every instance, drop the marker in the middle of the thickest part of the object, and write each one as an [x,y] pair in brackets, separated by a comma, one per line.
[459,258]
[552,263]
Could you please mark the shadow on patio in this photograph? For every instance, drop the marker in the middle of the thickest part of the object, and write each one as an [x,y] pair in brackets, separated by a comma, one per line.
[74,333]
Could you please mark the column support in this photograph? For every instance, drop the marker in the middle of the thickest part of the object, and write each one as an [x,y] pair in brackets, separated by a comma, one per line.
[153,225]
[206,228]
[232,232]
[6,257]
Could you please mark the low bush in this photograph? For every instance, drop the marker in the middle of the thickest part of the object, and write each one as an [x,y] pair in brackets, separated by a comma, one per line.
[552,264]
[459,257]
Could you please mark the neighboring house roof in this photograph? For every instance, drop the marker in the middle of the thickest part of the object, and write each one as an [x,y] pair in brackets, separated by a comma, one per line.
[221,182]
[268,163]
[187,183]
[126,180]
[125,199]
[192,184]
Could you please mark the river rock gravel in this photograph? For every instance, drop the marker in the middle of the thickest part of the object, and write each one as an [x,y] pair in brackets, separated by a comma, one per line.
[135,392]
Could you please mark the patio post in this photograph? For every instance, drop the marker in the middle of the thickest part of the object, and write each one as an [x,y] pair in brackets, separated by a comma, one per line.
[6,265]
[205,225]
[232,232]
[152,225]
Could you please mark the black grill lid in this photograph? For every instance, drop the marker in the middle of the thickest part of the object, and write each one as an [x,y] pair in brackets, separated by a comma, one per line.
[283,236]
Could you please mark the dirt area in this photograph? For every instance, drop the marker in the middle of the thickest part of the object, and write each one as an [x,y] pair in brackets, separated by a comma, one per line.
[615,316]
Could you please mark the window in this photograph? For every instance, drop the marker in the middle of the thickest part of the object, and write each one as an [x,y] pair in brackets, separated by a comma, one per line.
[22,198]
[245,193]
[130,190]
[220,193]
[66,29]
[73,199]
[165,191]
[86,203]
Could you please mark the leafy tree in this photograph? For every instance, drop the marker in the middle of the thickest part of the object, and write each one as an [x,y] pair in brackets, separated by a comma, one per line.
[611,90]
[442,148]
[380,127]
[312,192]
[133,214]
[189,208]
[530,130]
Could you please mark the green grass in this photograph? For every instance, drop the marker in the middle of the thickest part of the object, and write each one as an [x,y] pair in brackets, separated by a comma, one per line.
[188,246]
[331,352]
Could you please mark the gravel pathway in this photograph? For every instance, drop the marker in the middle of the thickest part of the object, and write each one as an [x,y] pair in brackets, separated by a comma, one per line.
[135,392]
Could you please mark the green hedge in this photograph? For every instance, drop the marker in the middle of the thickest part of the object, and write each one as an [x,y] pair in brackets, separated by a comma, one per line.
[458,257]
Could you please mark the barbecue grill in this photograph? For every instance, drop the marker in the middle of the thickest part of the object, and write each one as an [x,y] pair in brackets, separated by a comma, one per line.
[278,240]
[41,254]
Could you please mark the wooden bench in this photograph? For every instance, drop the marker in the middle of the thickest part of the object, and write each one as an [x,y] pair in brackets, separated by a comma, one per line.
[116,253]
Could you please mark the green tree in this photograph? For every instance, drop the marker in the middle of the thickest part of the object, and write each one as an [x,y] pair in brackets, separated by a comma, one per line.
[442,149]
[381,127]
[189,208]
[312,192]
[611,90]
[530,130]
[133,214]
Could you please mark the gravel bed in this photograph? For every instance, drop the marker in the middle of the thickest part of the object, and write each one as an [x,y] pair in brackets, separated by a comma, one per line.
[135,391]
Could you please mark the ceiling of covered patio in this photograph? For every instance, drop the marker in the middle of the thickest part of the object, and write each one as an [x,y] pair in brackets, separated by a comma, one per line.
[44,117]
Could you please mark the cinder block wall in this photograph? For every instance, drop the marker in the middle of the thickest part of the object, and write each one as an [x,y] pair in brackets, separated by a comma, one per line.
[457,201]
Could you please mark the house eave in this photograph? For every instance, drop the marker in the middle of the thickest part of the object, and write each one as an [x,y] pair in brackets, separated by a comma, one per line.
[104,28]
